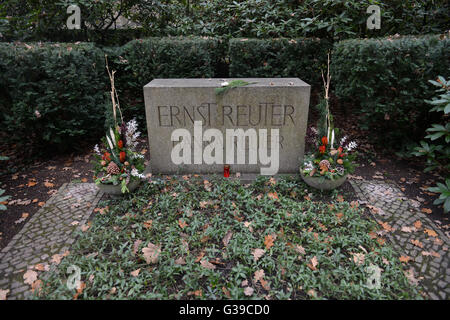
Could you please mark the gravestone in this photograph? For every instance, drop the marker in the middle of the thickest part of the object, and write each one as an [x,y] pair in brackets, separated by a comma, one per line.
[188,122]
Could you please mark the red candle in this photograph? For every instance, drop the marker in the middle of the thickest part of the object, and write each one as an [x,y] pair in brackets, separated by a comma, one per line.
[226,171]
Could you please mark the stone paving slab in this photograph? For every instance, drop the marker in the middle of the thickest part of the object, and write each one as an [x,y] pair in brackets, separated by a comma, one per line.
[395,209]
[49,231]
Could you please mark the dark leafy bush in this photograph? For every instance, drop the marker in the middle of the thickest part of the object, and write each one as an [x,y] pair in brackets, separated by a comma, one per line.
[333,19]
[52,95]
[437,150]
[140,61]
[303,58]
[388,80]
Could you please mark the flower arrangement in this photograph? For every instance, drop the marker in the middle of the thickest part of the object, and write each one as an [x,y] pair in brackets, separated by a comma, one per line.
[116,160]
[330,158]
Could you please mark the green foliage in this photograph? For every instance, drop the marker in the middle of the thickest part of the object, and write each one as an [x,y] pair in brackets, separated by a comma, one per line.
[140,61]
[331,19]
[444,197]
[437,151]
[303,58]
[387,78]
[51,95]
[233,84]
[189,220]
[2,191]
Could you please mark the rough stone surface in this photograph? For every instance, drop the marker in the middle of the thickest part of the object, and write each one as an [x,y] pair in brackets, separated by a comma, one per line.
[280,103]
[430,256]
[50,231]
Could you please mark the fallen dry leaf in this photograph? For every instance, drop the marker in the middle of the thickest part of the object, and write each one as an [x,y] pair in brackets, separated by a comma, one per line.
[48,184]
[80,289]
[312,293]
[426,210]
[417,243]
[136,245]
[182,223]
[268,241]
[358,258]
[30,276]
[200,256]
[148,224]
[273,195]
[227,238]
[409,274]
[208,265]
[431,253]
[407,229]
[41,267]
[405,259]
[248,291]
[135,273]
[36,287]
[418,224]
[257,253]
[23,218]
[180,261]
[31,183]
[299,249]
[431,233]
[151,253]
[258,275]
[3,294]
[264,284]
[313,263]
[226,292]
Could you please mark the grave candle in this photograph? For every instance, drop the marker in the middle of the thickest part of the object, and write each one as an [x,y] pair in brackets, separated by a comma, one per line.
[226,171]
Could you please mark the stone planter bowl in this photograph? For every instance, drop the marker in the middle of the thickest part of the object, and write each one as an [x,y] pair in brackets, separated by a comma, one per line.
[323,184]
[116,191]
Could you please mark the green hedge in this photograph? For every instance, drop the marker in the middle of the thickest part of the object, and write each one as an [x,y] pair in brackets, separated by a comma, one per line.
[51,95]
[388,79]
[142,60]
[303,58]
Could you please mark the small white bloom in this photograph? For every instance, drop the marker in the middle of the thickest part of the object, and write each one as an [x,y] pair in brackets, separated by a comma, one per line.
[224,84]
[136,173]
[352,145]
[343,140]
[308,165]
[97,150]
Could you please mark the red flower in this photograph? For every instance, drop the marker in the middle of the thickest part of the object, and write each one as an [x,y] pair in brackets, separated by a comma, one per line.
[122,156]
[120,144]
[340,150]
[324,141]
[322,149]
[106,156]
[341,155]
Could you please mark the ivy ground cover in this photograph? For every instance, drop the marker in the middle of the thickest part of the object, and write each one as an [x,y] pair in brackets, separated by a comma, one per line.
[197,239]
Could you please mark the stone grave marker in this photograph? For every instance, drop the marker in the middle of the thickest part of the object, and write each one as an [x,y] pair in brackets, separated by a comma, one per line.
[192,129]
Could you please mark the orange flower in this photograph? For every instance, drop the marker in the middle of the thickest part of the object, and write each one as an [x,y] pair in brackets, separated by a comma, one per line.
[106,156]
[122,156]
[120,144]
[324,141]
[322,149]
